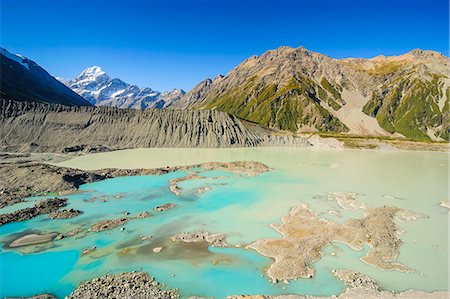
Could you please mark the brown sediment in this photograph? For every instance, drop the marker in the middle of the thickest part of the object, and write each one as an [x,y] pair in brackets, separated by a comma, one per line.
[305,236]
[218,240]
[166,249]
[64,214]
[113,223]
[165,206]
[108,224]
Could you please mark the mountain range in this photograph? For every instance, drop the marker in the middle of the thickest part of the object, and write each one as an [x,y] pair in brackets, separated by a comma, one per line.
[288,89]
[99,89]
[302,91]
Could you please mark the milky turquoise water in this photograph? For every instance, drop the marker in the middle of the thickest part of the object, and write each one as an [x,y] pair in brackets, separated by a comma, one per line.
[242,207]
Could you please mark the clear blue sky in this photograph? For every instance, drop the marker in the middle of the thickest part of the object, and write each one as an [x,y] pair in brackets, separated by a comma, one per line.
[165,44]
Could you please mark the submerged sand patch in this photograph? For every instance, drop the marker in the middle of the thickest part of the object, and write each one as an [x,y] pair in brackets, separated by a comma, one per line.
[346,200]
[32,239]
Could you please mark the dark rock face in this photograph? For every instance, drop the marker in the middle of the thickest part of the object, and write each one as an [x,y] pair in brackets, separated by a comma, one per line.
[64,214]
[24,80]
[42,207]
[28,126]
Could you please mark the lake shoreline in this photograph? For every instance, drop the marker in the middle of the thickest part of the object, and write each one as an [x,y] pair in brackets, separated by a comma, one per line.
[28,172]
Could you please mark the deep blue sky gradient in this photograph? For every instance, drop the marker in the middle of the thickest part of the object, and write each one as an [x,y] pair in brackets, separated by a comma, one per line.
[165,44]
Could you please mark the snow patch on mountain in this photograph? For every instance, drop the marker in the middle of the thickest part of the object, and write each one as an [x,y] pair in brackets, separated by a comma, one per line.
[98,88]
[16,57]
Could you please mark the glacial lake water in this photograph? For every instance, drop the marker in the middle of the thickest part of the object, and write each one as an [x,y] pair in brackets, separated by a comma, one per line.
[243,208]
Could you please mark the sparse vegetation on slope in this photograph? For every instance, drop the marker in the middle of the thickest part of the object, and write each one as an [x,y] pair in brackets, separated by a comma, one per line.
[300,91]
[409,107]
[287,107]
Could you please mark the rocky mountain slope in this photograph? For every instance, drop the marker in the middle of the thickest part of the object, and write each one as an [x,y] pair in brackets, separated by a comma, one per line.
[98,88]
[299,90]
[22,79]
[30,126]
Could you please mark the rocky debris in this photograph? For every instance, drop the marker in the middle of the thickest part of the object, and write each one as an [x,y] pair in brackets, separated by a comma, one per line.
[64,214]
[356,279]
[306,235]
[87,251]
[73,232]
[113,223]
[108,224]
[53,128]
[85,149]
[129,285]
[69,234]
[173,183]
[218,240]
[41,207]
[165,206]
[141,215]
[32,239]
[250,168]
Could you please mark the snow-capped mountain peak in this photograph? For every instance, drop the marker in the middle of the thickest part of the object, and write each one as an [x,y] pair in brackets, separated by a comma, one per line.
[93,71]
[98,88]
